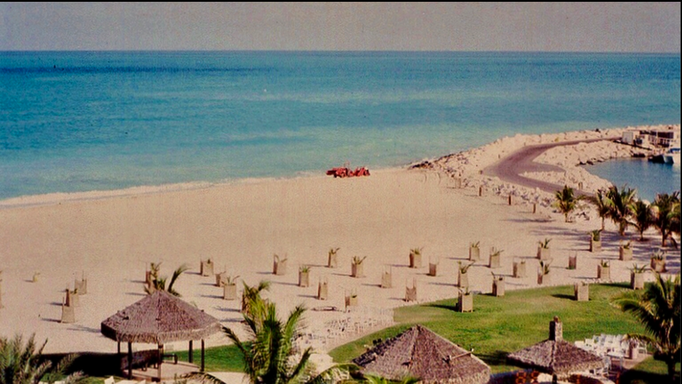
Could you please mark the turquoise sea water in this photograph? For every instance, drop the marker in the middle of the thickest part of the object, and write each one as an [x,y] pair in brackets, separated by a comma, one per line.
[648,178]
[81,121]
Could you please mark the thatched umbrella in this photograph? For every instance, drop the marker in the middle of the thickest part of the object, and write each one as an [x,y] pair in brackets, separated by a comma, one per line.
[160,318]
[419,352]
[556,356]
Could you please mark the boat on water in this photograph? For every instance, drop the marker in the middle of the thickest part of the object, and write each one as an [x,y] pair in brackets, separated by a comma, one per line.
[672,156]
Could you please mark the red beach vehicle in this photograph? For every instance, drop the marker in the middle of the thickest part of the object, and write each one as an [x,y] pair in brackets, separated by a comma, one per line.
[347,172]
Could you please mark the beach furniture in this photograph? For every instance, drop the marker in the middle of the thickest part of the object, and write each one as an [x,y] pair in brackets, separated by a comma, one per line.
[72,298]
[604,271]
[433,268]
[581,292]
[498,286]
[230,291]
[544,252]
[658,262]
[206,268]
[68,314]
[519,269]
[465,301]
[279,265]
[475,251]
[322,287]
[636,280]
[416,258]
[332,261]
[411,292]
[219,282]
[357,269]
[351,299]
[463,275]
[625,252]
[573,261]
[387,279]
[544,274]
[304,276]
[495,255]
[81,286]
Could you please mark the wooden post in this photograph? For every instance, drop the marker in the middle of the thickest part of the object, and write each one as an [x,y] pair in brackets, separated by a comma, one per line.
[160,360]
[480,191]
[510,199]
[191,351]
[535,207]
[203,365]
[130,360]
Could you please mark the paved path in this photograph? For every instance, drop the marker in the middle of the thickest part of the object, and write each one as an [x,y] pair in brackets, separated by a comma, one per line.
[510,168]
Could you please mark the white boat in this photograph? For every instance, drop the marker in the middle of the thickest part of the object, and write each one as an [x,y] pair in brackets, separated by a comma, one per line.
[672,156]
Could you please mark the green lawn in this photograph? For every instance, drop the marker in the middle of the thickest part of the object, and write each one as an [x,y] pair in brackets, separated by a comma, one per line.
[499,326]
[496,327]
[217,359]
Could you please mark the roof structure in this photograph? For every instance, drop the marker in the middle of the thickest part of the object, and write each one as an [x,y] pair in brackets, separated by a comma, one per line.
[556,356]
[418,352]
[159,318]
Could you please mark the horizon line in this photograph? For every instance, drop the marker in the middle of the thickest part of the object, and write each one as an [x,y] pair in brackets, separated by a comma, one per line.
[338,51]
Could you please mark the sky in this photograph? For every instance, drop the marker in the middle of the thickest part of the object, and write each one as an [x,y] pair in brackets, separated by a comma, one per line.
[566,27]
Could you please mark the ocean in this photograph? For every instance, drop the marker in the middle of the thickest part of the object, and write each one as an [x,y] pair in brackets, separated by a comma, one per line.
[86,121]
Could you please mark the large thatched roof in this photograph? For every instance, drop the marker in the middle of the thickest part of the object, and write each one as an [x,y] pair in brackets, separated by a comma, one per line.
[418,352]
[557,357]
[159,318]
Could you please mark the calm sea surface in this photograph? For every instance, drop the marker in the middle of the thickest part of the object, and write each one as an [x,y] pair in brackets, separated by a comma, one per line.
[82,121]
[648,178]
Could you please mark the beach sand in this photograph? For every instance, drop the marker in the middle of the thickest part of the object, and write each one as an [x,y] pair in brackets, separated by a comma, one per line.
[241,225]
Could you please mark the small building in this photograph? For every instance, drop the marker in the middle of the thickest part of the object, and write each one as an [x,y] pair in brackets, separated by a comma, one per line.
[663,137]
[556,356]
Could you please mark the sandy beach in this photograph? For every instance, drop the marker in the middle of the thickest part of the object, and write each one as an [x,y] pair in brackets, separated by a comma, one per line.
[111,238]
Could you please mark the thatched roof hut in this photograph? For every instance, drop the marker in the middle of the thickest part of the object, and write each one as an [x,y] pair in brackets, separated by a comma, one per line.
[418,352]
[160,318]
[556,356]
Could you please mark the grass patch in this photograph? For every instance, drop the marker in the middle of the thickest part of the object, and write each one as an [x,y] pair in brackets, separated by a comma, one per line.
[225,358]
[501,325]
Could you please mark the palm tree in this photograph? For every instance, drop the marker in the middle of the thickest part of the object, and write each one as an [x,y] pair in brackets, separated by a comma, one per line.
[251,296]
[667,214]
[566,201]
[675,218]
[658,309]
[21,364]
[643,215]
[158,283]
[270,355]
[620,204]
[601,203]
